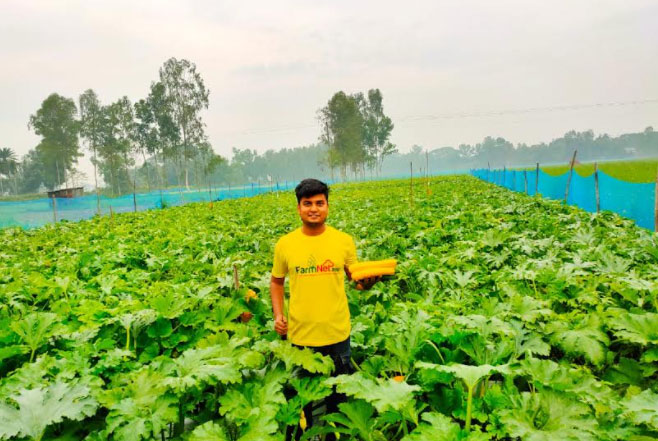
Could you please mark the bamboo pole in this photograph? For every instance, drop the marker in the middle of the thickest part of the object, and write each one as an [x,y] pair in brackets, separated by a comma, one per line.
[537,180]
[525,181]
[504,173]
[566,191]
[236,279]
[54,209]
[488,170]
[655,209]
[596,187]
[411,183]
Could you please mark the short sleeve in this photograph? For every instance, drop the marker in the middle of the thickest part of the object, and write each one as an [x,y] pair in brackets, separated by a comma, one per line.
[279,266]
[350,257]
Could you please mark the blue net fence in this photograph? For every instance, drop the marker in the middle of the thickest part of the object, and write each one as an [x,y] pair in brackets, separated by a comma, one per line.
[38,212]
[632,200]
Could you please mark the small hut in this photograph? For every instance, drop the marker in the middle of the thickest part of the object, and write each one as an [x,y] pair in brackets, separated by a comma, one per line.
[66,192]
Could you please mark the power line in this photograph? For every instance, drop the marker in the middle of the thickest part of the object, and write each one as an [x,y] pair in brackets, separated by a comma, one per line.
[449,116]
[414,118]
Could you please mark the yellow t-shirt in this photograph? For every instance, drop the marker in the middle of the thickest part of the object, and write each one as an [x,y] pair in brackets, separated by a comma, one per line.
[318,314]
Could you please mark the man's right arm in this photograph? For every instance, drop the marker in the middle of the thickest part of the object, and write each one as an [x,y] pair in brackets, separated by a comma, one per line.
[277,293]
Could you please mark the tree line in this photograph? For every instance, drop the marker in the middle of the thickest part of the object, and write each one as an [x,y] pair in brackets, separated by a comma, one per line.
[160,132]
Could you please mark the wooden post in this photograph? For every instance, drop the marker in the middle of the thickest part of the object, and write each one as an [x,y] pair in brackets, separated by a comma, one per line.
[566,192]
[525,181]
[537,180]
[54,209]
[504,173]
[236,279]
[596,187]
[411,183]
[655,209]
[134,198]
[111,213]
[488,170]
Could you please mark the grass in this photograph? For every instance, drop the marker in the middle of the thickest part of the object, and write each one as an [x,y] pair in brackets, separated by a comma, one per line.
[640,170]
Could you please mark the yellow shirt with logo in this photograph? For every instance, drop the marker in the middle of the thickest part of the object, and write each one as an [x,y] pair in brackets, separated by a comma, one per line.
[318,314]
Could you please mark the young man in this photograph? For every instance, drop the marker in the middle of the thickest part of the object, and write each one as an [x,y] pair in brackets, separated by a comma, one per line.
[316,257]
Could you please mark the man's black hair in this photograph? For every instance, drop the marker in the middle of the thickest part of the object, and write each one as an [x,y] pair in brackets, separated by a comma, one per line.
[311,187]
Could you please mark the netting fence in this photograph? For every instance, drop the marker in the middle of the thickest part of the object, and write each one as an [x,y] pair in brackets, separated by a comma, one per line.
[635,201]
[38,212]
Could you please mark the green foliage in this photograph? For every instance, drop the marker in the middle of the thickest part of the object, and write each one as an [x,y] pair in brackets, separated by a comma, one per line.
[509,318]
[41,407]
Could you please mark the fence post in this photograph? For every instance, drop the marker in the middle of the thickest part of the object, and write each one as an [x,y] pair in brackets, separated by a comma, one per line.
[525,181]
[488,170]
[566,192]
[596,187]
[655,211]
[134,197]
[504,173]
[54,209]
[411,183]
[537,180]
[236,279]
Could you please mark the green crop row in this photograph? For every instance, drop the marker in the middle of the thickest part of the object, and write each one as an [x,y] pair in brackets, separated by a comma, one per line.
[509,317]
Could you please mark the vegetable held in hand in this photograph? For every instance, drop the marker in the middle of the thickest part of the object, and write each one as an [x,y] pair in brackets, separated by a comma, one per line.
[374,268]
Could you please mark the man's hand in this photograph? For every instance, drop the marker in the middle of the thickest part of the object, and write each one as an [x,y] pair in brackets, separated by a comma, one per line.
[281,325]
[365,284]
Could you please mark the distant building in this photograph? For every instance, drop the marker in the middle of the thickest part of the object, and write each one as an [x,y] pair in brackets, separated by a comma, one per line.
[66,192]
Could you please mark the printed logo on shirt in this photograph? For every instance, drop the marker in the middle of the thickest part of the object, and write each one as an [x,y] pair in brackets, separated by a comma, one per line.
[328,267]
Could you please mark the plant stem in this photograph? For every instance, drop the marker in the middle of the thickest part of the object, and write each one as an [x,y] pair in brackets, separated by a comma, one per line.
[431,343]
[469,408]
[128,338]
[32,355]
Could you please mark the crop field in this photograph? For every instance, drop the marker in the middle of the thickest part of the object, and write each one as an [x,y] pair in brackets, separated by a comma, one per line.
[639,171]
[509,318]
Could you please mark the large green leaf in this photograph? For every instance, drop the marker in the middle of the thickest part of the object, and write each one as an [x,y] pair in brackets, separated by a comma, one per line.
[383,394]
[436,427]
[40,407]
[643,408]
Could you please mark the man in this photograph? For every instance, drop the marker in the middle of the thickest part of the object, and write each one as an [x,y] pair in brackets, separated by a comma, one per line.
[315,257]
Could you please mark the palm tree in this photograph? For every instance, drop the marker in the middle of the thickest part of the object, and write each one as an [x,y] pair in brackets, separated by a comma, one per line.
[8,164]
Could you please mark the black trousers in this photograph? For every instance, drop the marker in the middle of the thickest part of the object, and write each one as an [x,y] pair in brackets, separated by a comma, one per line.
[340,354]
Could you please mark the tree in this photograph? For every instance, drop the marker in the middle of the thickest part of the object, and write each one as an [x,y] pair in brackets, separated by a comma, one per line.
[187,95]
[8,166]
[377,128]
[342,131]
[91,129]
[56,123]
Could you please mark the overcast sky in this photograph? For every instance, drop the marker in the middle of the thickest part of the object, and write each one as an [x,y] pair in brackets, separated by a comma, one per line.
[446,69]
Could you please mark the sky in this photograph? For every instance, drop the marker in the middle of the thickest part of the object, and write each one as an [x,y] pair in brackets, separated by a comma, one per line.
[450,72]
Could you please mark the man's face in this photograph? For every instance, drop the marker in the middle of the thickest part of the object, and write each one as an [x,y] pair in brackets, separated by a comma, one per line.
[313,210]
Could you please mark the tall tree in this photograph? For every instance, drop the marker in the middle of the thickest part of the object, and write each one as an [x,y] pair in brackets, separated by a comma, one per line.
[56,123]
[188,96]
[91,129]
[377,128]
[8,166]
[342,131]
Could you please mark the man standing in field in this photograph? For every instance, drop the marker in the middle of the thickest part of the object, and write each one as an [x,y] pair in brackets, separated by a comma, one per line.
[316,257]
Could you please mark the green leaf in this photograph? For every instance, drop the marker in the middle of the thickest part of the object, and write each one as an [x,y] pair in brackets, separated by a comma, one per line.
[383,394]
[635,328]
[643,408]
[209,431]
[306,358]
[469,374]
[160,328]
[584,337]
[221,363]
[436,427]
[40,407]
[35,328]
[548,416]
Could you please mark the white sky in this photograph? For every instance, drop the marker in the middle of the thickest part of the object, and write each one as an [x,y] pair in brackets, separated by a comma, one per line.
[270,65]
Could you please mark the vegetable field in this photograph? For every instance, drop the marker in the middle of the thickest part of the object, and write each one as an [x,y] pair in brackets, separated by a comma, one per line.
[509,317]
